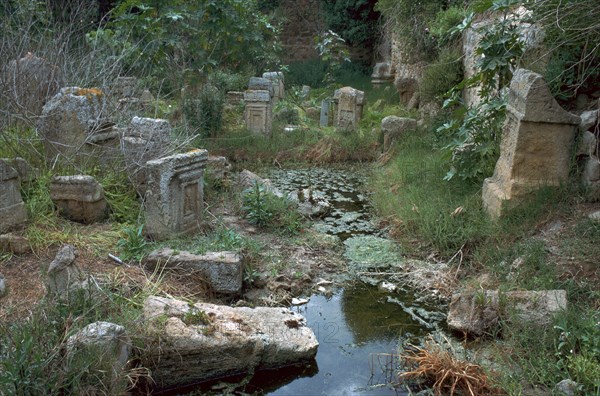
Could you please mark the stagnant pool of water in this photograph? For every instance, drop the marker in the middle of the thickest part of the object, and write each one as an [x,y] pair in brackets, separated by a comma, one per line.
[358,326]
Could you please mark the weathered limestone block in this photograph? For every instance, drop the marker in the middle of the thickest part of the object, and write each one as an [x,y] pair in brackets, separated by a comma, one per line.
[79,198]
[261,84]
[124,87]
[14,244]
[110,347]
[204,341]
[278,82]
[234,98]
[479,312]
[29,83]
[27,173]
[394,127]
[258,113]
[222,270]
[3,290]
[325,116]
[175,194]
[536,143]
[349,107]
[588,144]
[589,119]
[12,207]
[407,81]
[146,139]
[591,178]
[69,119]
[64,278]
[382,74]
[247,179]
[218,168]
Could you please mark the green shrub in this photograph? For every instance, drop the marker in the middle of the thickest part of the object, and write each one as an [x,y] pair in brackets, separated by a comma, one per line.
[204,111]
[267,210]
[133,245]
[442,75]
[310,72]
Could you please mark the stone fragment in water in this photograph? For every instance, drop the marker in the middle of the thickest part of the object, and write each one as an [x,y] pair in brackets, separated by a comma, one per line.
[203,341]
[477,313]
[222,270]
[300,301]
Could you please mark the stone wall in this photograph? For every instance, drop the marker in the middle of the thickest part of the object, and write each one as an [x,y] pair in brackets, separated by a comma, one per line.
[302,23]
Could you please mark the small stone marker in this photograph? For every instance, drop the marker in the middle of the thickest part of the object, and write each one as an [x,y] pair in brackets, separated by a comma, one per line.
[278,82]
[14,244]
[234,98]
[393,127]
[27,173]
[146,139]
[305,93]
[258,113]
[64,277]
[12,207]
[175,194]
[536,143]
[30,82]
[349,107]
[382,74]
[222,270]
[79,198]
[261,84]
[124,87]
[110,345]
[2,286]
[324,119]
[68,122]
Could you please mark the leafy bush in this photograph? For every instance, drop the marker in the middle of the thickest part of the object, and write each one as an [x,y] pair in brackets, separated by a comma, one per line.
[442,75]
[133,245]
[267,210]
[204,111]
[309,72]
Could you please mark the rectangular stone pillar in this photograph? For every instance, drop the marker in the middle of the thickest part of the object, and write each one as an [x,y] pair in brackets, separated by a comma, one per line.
[277,80]
[258,113]
[175,194]
[325,109]
[535,150]
[12,208]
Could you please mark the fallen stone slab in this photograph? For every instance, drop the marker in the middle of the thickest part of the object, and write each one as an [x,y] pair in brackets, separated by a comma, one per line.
[222,270]
[477,313]
[203,341]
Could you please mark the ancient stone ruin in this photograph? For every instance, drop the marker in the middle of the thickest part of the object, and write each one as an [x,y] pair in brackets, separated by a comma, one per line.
[146,139]
[587,152]
[407,81]
[175,194]
[204,341]
[536,144]
[278,83]
[258,113]
[325,116]
[382,74]
[64,277]
[476,313]
[72,122]
[394,127]
[349,104]
[222,270]
[29,83]
[12,207]
[79,198]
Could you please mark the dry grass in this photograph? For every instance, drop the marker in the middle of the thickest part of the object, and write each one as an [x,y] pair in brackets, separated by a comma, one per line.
[448,375]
